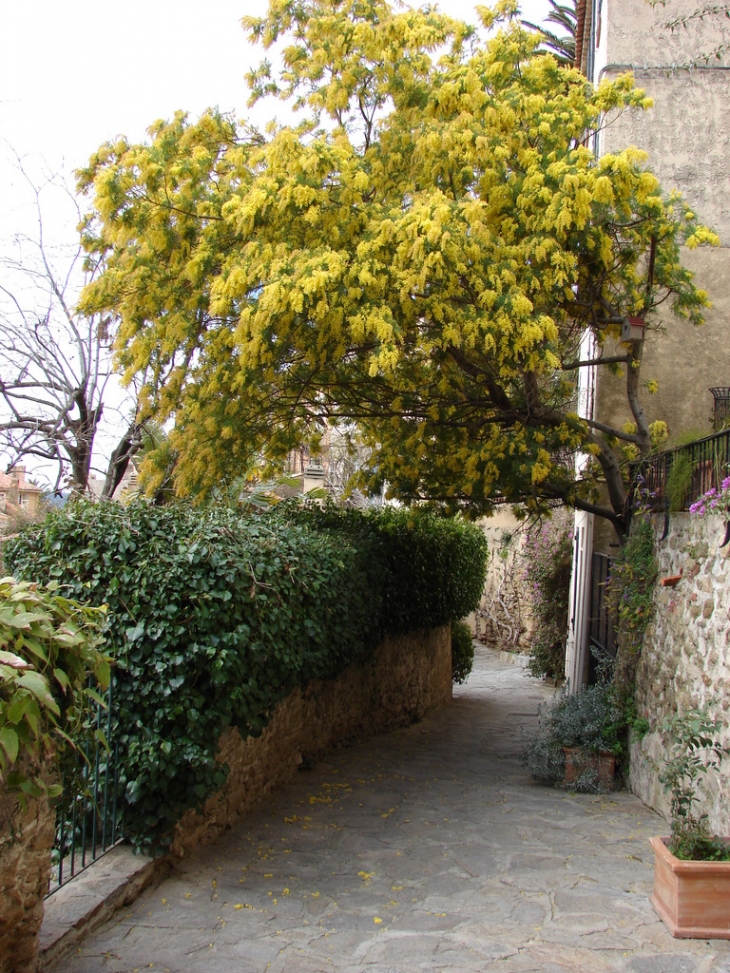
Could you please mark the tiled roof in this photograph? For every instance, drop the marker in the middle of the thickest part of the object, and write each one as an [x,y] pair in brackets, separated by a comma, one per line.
[9,481]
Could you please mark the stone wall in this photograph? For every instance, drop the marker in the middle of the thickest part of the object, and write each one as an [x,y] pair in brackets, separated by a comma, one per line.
[408,677]
[503,620]
[26,837]
[685,662]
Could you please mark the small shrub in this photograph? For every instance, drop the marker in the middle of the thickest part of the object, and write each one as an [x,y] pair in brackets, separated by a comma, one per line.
[48,653]
[695,749]
[588,720]
[462,651]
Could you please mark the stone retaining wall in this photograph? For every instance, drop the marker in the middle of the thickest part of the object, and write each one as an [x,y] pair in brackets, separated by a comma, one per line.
[685,662]
[407,677]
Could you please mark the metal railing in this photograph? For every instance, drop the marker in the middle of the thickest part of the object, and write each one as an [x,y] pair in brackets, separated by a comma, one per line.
[88,819]
[601,633]
[709,464]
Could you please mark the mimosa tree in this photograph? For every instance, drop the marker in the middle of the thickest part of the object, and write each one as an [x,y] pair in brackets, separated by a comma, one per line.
[420,255]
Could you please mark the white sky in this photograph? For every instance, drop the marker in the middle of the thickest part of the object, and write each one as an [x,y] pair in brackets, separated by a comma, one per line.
[76,73]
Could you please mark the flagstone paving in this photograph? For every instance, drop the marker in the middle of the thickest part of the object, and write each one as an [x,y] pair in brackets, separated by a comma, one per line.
[427,849]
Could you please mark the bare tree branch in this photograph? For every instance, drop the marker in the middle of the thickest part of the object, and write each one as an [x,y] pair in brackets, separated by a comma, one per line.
[55,363]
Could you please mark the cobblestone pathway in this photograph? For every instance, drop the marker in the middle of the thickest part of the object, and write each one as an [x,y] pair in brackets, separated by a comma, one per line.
[427,849]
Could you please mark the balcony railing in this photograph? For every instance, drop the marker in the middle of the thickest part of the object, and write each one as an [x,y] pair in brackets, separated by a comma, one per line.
[706,461]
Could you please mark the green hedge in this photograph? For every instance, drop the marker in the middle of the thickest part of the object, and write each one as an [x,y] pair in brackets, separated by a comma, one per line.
[214,617]
[424,571]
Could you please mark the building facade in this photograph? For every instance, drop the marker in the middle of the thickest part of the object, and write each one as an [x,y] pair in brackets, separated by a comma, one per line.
[18,497]
[672,56]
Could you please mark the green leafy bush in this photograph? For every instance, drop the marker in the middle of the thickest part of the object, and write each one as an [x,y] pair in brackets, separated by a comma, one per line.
[214,617]
[424,570]
[587,720]
[48,652]
[679,481]
[695,750]
[630,596]
[462,651]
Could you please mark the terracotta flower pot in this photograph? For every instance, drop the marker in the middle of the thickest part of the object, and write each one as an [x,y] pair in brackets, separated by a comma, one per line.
[578,761]
[692,898]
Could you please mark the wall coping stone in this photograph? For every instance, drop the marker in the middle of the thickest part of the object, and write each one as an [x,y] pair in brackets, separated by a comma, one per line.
[88,901]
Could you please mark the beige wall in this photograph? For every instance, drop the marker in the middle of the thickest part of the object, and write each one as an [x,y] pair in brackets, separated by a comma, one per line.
[687,136]
[503,619]
[686,133]
[685,360]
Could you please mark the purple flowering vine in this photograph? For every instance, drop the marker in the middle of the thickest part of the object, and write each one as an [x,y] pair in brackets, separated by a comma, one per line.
[714,500]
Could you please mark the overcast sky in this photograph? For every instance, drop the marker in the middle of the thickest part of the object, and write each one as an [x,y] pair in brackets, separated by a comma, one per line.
[74,73]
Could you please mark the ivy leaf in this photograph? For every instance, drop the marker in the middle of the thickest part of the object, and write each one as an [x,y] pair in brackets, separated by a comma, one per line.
[10,743]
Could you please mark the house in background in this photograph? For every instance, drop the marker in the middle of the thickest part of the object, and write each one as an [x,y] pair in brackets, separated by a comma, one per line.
[687,137]
[127,488]
[18,497]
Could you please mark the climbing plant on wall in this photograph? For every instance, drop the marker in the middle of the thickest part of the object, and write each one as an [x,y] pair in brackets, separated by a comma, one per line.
[631,600]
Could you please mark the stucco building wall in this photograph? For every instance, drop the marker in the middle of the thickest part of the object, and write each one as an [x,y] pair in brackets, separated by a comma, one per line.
[687,137]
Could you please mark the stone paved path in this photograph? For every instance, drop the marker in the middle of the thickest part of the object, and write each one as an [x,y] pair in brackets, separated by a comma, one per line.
[427,849]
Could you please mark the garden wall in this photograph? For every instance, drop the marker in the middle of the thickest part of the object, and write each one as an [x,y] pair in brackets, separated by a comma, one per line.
[407,677]
[685,661]
[503,619]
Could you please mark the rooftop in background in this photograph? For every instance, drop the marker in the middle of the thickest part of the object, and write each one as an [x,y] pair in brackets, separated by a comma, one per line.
[18,497]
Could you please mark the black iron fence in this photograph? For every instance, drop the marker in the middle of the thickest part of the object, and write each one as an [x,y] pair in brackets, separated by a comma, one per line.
[675,478]
[601,633]
[88,819]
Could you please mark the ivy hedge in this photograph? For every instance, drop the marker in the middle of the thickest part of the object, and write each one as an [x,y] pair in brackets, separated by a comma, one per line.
[213,617]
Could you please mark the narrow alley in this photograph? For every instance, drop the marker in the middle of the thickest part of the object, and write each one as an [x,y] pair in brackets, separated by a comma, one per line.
[427,849]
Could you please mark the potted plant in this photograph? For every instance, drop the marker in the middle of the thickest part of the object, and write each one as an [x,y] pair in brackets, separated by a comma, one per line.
[691,865]
[577,740]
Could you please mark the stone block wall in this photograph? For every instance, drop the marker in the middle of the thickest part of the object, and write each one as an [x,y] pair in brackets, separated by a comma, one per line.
[503,620]
[408,677]
[685,662]
[26,837]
